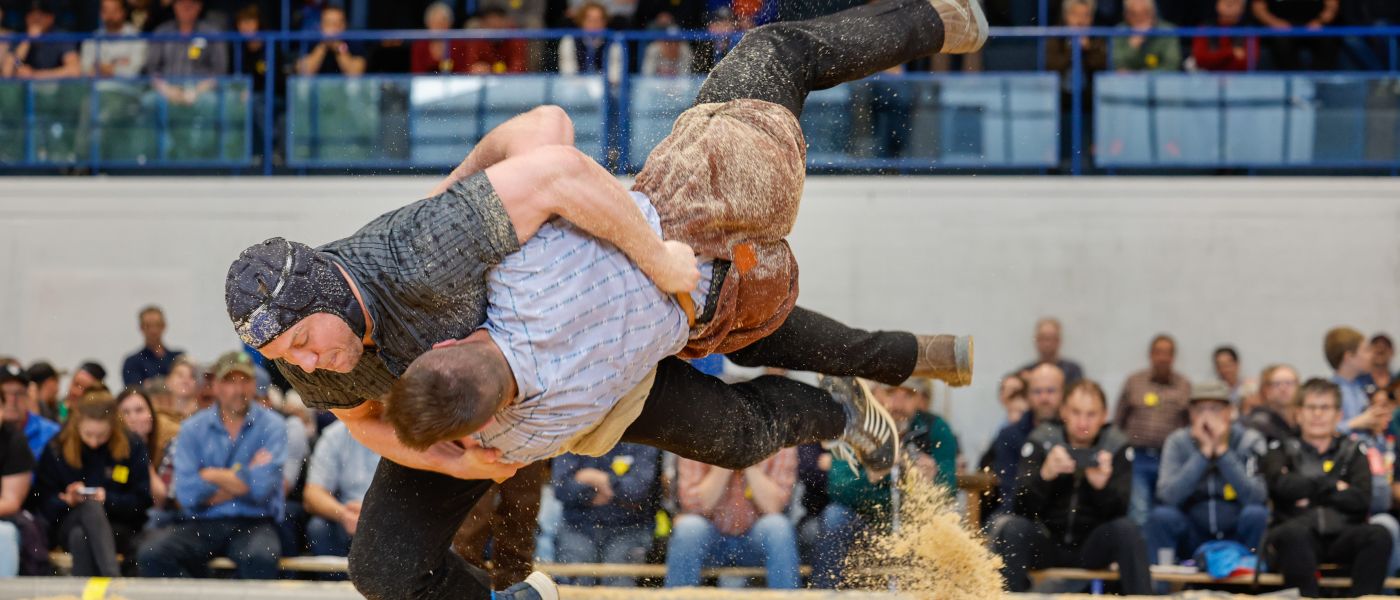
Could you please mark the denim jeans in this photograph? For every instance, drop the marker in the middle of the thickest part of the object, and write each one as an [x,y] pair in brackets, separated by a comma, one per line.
[1170,529]
[840,525]
[626,544]
[1146,462]
[325,538]
[186,548]
[695,543]
[9,549]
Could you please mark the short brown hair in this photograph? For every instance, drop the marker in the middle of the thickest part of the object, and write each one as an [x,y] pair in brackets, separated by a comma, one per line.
[1091,387]
[1319,387]
[1340,341]
[447,394]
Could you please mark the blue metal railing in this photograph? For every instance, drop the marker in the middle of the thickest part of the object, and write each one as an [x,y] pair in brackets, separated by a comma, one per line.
[939,110]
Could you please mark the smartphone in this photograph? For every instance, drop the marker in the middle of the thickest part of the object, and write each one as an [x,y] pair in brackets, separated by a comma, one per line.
[87,492]
[1084,458]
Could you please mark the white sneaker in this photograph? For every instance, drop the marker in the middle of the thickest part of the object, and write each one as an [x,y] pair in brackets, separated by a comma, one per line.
[964,25]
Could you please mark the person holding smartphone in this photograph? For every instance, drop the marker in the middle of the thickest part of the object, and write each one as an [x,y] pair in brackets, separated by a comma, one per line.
[93,486]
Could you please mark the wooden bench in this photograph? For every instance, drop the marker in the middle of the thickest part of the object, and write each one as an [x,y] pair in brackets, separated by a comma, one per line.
[339,564]
[1177,579]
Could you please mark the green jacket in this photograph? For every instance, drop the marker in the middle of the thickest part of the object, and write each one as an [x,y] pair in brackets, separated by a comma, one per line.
[1157,53]
[931,435]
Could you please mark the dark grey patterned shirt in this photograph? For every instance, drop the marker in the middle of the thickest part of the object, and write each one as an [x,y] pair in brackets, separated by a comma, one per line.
[421,270]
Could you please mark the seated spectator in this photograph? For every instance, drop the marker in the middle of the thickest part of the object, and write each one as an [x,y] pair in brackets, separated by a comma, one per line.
[438,56]
[1143,52]
[526,14]
[1373,439]
[92,487]
[1320,485]
[154,358]
[1071,499]
[114,58]
[1225,53]
[1226,362]
[1150,407]
[16,472]
[1210,487]
[183,385]
[230,495]
[179,66]
[859,505]
[1046,393]
[339,476]
[723,29]
[813,468]
[617,14]
[14,385]
[1276,418]
[667,58]
[1048,330]
[590,54]
[1382,352]
[157,432]
[43,390]
[1012,396]
[87,376]
[735,518]
[1350,358]
[487,57]
[333,56]
[1300,14]
[610,506]
[37,59]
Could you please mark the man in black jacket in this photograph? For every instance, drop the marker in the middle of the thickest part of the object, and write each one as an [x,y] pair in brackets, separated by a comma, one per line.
[1071,499]
[1320,484]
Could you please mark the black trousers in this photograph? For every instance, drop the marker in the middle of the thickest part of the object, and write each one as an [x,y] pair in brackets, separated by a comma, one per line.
[782,62]
[402,548]
[1025,545]
[1298,549]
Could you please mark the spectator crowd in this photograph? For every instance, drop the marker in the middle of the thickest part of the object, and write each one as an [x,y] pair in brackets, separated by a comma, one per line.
[192,461]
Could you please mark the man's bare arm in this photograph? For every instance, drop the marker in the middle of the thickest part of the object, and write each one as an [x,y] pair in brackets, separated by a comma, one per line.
[543,126]
[366,425]
[563,181]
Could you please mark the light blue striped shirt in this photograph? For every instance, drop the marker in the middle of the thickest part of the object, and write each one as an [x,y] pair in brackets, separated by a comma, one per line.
[580,325]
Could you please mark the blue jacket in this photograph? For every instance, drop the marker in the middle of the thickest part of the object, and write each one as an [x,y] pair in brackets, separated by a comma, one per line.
[632,470]
[203,442]
[1213,491]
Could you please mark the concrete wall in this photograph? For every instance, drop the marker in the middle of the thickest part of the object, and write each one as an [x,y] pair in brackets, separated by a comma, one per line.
[1265,264]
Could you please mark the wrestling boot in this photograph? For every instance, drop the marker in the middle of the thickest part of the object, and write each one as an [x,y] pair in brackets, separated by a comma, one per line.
[537,586]
[946,358]
[870,431]
[964,25]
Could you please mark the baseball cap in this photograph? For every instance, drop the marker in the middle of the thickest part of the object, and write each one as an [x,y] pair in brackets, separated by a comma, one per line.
[41,371]
[234,362]
[10,373]
[1210,390]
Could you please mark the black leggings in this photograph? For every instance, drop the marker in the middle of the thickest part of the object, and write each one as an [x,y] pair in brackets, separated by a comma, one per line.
[87,534]
[782,62]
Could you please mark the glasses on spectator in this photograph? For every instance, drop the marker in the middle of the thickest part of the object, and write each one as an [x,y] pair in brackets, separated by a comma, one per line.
[1318,408]
[1282,383]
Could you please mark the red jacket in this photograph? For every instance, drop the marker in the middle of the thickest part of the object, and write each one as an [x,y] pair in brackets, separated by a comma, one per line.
[423,61]
[1219,54]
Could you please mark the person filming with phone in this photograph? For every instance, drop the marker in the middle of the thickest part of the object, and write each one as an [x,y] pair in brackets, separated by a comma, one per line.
[93,486]
[1071,499]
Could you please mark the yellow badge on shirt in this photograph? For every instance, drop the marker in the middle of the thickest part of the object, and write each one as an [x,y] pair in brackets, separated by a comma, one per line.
[1152,61]
[516,4]
[195,51]
[748,493]
[1230,494]
[120,474]
[1327,466]
[621,465]
[1151,399]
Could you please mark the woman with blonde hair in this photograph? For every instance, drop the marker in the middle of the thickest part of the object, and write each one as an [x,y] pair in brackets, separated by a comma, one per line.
[92,486]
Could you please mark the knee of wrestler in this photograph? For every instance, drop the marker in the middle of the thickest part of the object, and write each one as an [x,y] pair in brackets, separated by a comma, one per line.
[376,576]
